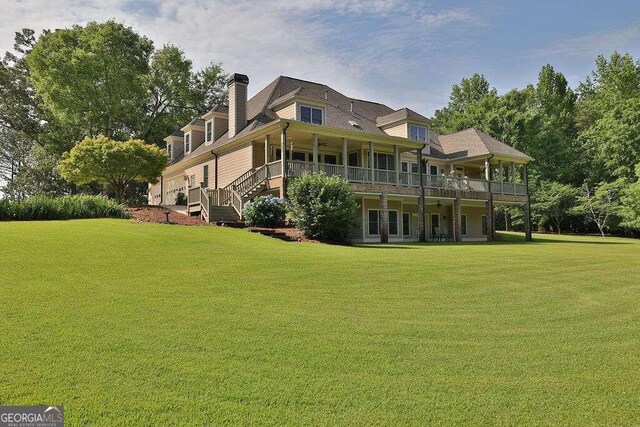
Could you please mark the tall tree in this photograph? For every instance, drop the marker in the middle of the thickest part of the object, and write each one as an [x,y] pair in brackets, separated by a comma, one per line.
[608,117]
[630,209]
[92,78]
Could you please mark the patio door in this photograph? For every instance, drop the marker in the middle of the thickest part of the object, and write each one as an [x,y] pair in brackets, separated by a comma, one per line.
[435,222]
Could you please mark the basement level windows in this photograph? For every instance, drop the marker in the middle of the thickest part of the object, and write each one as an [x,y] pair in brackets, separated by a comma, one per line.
[311,115]
[419,133]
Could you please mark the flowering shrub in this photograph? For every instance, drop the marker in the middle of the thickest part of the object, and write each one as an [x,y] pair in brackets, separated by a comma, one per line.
[265,211]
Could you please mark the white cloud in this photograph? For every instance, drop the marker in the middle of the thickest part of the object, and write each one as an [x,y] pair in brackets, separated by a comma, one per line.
[592,44]
[358,47]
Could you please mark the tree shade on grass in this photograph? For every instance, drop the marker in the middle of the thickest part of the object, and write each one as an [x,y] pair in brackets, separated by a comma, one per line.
[128,324]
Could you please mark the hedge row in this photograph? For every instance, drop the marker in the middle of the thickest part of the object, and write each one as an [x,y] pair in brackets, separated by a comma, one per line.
[65,207]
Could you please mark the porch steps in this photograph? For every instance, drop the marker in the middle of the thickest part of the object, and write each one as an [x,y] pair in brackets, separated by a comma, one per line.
[223,214]
[273,233]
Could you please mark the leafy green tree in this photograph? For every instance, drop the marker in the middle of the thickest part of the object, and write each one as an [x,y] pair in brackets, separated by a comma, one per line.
[607,118]
[552,202]
[600,204]
[630,209]
[115,163]
[92,78]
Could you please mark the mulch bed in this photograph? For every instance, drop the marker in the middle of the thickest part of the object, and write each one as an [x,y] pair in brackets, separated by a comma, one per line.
[158,214]
[292,233]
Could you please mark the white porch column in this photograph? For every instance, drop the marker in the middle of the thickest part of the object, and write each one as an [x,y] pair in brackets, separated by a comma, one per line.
[283,161]
[266,149]
[487,170]
[345,159]
[371,163]
[396,157]
[253,154]
[501,176]
[513,172]
[315,153]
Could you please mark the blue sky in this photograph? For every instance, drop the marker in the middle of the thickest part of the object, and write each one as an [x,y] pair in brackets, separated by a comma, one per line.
[403,53]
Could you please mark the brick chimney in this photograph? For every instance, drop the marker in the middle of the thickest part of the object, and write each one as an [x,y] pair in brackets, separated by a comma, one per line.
[237,86]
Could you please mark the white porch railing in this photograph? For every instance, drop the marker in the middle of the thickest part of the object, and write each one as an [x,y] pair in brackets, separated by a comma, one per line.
[297,168]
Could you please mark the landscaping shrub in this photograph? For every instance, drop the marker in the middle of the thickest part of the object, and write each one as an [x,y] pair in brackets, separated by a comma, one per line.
[265,211]
[323,207]
[65,207]
[181,199]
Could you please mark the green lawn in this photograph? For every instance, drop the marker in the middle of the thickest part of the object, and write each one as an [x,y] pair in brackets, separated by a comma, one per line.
[128,324]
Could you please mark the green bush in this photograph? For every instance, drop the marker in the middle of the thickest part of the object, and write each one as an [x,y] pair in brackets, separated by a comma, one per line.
[65,207]
[323,207]
[181,199]
[265,211]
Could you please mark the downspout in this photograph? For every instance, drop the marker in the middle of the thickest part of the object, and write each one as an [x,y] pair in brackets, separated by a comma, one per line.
[215,165]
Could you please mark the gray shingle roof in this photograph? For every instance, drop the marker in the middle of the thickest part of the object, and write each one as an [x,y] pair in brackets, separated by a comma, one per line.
[472,143]
[368,115]
[399,115]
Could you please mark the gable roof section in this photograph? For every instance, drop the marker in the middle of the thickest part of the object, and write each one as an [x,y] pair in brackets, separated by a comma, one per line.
[473,143]
[400,115]
[337,106]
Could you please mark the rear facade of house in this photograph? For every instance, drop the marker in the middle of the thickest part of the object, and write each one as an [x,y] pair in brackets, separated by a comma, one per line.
[411,184]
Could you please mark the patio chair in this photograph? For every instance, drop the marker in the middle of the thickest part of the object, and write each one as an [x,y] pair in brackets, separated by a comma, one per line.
[445,235]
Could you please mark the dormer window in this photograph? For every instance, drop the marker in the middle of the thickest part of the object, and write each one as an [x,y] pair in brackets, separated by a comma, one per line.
[208,136]
[419,133]
[187,143]
[311,115]
[170,151]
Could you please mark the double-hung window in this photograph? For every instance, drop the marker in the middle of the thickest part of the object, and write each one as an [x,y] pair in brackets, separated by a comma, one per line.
[419,133]
[433,169]
[205,176]
[187,143]
[463,225]
[483,218]
[209,131]
[311,115]
[170,151]
[410,167]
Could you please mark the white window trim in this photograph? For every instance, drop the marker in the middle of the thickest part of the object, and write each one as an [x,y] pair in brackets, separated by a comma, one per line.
[190,142]
[431,219]
[419,127]
[409,222]
[316,107]
[170,150]
[205,131]
[437,169]
[466,221]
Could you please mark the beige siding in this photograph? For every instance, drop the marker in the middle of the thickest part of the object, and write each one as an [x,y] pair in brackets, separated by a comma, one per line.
[258,154]
[220,127]
[287,112]
[474,221]
[399,130]
[172,186]
[234,163]
[198,172]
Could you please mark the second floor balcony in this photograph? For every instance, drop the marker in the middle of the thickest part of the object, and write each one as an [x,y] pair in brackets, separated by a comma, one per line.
[406,179]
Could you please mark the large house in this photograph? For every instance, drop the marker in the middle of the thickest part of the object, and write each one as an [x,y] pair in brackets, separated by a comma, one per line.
[253,147]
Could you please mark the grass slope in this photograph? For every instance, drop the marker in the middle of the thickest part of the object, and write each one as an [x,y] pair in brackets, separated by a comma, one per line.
[128,324]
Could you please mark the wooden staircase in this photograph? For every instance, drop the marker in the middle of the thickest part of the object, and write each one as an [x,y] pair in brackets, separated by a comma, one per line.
[226,204]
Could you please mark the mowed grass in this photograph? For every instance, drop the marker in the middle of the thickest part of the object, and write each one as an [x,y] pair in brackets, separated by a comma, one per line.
[129,324]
